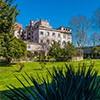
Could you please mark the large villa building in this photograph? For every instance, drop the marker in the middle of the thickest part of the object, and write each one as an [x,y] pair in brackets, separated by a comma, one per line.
[40,35]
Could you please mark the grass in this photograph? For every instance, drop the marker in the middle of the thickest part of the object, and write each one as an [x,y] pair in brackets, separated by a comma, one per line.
[32,68]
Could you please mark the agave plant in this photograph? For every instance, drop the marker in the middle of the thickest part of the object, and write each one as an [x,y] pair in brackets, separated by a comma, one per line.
[66,84]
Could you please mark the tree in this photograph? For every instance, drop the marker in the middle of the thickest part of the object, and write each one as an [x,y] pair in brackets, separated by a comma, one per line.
[80,26]
[10,47]
[8,15]
[96,19]
[13,48]
[55,50]
[30,55]
[96,51]
[95,37]
[64,53]
[69,51]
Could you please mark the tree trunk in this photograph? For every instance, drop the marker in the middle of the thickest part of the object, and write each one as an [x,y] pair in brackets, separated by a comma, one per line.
[8,60]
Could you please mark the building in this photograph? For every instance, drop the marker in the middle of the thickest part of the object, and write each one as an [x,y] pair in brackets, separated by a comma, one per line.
[40,32]
[89,54]
[17,30]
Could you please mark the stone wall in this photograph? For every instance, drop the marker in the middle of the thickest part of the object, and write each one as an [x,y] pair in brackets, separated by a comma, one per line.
[77,58]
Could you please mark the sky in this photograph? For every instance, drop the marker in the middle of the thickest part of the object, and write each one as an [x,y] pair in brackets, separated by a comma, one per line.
[56,12]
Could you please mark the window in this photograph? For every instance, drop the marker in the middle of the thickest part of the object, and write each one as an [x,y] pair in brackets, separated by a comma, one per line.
[58,35]
[47,41]
[64,29]
[64,35]
[47,33]
[69,30]
[63,43]
[41,41]
[53,34]
[29,34]
[41,33]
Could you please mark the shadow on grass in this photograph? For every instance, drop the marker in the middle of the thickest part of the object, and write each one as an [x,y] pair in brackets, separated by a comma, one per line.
[9,92]
[3,64]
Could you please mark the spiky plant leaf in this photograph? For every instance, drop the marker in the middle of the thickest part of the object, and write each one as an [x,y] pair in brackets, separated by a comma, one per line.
[66,84]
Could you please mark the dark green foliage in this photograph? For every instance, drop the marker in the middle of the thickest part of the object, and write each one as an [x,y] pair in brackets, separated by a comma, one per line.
[96,50]
[10,47]
[66,84]
[60,54]
[55,51]
[69,51]
[30,55]
[8,15]
[42,56]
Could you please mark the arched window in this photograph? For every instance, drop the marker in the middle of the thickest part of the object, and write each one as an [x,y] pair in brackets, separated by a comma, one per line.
[53,34]
[47,33]
[63,43]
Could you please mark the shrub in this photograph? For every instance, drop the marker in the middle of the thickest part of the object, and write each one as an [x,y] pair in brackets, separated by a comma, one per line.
[30,55]
[66,84]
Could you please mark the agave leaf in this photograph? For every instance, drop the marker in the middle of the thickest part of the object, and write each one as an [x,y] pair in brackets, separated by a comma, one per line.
[25,86]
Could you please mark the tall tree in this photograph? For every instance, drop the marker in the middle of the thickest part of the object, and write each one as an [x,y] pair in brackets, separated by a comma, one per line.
[8,15]
[10,47]
[95,36]
[80,27]
[96,19]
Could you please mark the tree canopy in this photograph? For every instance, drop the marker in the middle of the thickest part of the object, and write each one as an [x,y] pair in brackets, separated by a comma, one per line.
[8,15]
[55,50]
[80,26]
[62,53]
[95,36]
[10,46]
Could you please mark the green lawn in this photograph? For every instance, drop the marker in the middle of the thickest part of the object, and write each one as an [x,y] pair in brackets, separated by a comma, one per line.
[32,68]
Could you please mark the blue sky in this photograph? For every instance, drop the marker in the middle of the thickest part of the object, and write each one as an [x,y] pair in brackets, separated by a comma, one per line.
[57,12]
